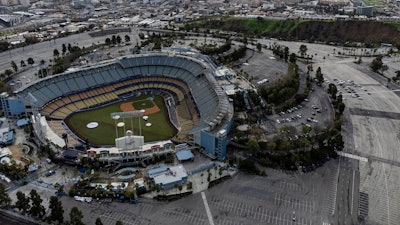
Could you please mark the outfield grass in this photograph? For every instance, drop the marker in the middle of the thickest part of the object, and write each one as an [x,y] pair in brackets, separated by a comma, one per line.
[105,133]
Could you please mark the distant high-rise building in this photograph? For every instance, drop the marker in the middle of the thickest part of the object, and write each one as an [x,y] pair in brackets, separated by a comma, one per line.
[12,106]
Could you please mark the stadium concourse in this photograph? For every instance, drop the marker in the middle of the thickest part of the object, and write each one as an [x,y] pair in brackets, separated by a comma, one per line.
[197,105]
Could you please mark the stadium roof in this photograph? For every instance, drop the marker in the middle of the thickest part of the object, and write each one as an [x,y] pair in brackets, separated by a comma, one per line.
[184,155]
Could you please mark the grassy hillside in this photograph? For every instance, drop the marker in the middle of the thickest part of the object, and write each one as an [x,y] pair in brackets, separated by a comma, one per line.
[342,32]
[247,26]
[368,32]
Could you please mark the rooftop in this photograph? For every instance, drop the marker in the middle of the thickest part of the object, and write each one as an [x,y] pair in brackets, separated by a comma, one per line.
[174,174]
[184,155]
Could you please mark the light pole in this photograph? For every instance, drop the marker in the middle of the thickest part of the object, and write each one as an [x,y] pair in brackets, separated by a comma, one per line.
[116,117]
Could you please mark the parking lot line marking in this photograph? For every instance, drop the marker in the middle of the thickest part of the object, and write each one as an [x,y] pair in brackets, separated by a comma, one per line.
[210,219]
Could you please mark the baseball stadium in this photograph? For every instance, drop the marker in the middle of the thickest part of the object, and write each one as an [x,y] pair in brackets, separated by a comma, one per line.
[133,107]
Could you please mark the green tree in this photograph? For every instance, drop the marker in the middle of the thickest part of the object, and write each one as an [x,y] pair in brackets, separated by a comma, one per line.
[119,222]
[253,146]
[57,211]
[305,129]
[376,64]
[30,61]
[64,49]
[8,72]
[157,44]
[75,216]
[4,45]
[332,90]
[5,199]
[108,41]
[303,50]
[249,166]
[286,53]
[113,40]
[341,107]
[119,39]
[22,202]
[339,144]
[98,221]
[36,209]
[14,66]
[259,47]
[56,53]
[22,63]
[292,58]
[141,36]
[288,131]
[189,185]
[319,76]
[127,38]
[384,68]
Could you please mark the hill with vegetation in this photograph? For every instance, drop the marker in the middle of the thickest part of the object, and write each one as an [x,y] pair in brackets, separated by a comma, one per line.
[371,33]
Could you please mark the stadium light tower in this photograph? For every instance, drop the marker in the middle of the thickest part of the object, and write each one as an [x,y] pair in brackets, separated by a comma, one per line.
[115,118]
[130,115]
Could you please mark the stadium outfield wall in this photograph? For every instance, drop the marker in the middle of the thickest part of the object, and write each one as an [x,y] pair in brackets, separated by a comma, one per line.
[193,69]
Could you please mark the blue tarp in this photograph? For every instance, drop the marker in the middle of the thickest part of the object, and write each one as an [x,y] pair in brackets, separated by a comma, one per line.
[184,155]
[22,122]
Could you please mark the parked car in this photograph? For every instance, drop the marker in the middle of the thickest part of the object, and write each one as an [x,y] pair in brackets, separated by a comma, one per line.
[51,172]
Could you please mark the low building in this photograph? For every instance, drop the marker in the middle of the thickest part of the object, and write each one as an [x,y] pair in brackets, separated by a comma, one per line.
[6,136]
[167,177]
[5,152]
[184,155]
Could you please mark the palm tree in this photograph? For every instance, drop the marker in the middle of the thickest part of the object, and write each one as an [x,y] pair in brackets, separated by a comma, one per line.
[220,172]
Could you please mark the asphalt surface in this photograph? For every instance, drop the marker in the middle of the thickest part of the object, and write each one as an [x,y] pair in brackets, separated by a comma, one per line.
[276,199]
[367,192]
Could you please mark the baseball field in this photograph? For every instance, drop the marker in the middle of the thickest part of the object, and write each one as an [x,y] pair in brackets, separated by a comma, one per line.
[105,132]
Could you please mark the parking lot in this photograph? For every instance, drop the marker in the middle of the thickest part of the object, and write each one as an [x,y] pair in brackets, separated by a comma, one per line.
[315,110]
[277,199]
[371,131]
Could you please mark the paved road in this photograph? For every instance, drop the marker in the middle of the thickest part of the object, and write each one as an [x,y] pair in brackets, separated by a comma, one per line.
[347,192]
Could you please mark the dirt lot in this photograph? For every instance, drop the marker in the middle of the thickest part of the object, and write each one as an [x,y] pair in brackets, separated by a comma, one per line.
[17,153]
